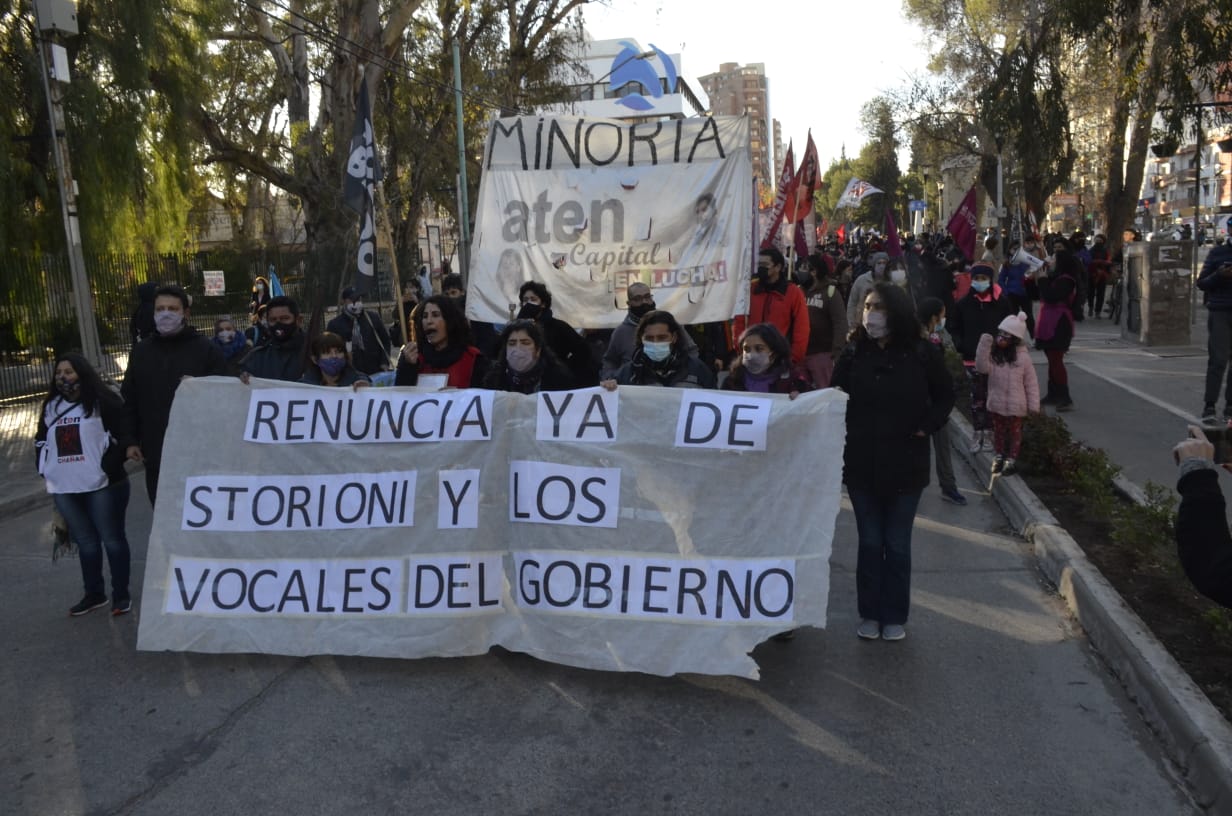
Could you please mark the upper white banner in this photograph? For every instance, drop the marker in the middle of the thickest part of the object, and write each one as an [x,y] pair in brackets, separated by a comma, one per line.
[588,206]
[589,528]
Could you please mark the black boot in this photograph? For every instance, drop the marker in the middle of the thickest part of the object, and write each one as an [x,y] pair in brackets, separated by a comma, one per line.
[1064,403]
[1051,397]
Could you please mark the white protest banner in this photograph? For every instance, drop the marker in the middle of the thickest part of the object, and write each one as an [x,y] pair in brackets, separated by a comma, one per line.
[631,553]
[588,206]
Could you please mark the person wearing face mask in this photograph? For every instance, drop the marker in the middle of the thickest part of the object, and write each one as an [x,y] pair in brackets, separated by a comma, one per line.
[977,313]
[1013,388]
[364,331]
[827,323]
[285,356]
[526,365]
[931,314]
[1014,278]
[569,347]
[233,344]
[623,340]
[82,434]
[899,393]
[659,357]
[155,369]
[776,300]
[330,365]
[260,295]
[878,270]
[764,364]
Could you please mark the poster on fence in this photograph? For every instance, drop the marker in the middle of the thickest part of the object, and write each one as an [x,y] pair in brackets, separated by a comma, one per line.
[608,530]
[589,206]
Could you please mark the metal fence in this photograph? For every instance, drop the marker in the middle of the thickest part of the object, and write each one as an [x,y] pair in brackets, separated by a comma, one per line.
[37,320]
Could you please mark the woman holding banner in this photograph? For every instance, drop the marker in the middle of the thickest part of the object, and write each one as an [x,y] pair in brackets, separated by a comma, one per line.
[440,344]
[899,394]
[525,364]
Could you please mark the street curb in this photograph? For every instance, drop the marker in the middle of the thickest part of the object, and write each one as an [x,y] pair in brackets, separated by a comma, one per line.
[1194,734]
[21,503]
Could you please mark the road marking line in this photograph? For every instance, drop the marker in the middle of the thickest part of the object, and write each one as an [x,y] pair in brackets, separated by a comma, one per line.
[1172,409]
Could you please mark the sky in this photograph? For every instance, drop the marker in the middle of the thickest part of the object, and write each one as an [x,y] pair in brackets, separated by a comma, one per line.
[824,60]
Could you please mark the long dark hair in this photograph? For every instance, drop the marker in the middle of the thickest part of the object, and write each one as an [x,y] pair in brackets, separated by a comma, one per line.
[904,328]
[457,328]
[1009,354]
[780,350]
[91,388]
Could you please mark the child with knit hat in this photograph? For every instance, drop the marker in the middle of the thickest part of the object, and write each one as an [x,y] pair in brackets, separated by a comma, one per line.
[1013,388]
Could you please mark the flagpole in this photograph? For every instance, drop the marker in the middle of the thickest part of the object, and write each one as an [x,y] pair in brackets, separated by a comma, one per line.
[393,257]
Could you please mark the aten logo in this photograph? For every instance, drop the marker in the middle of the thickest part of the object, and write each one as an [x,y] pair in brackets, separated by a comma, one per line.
[629,66]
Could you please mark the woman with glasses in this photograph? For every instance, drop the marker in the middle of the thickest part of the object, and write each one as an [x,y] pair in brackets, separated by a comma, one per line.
[899,393]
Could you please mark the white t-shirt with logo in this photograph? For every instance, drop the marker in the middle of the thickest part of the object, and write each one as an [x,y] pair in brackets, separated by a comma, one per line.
[71,457]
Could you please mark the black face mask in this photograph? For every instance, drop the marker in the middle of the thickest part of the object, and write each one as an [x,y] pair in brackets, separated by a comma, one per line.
[67,389]
[804,277]
[282,331]
[763,275]
[530,311]
[641,310]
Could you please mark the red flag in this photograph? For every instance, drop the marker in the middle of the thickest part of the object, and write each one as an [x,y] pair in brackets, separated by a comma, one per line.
[809,176]
[962,226]
[786,190]
[841,233]
[894,247]
[802,248]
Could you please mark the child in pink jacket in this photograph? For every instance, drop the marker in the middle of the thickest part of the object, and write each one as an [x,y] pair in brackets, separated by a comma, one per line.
[1013,389]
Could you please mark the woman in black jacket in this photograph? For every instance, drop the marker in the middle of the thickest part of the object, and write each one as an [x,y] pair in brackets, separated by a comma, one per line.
[899,393]
[525,364]
[82,435]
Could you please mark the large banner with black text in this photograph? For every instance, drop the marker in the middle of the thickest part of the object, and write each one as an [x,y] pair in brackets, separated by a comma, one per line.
[643,529]
[589,206]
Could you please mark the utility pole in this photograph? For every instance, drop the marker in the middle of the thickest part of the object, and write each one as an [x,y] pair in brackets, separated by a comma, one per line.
[464,216]
[54,18]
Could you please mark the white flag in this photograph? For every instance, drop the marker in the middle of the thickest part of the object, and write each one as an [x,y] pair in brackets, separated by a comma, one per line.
[855,192]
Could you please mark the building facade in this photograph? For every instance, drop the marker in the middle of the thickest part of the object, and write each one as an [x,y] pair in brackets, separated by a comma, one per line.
[737,90]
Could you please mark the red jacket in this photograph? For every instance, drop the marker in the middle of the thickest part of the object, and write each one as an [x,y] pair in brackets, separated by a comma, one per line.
[785,310]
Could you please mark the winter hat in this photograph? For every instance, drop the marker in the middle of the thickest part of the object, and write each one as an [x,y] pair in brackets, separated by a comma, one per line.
[1015,325]
[878,256]
[982,269]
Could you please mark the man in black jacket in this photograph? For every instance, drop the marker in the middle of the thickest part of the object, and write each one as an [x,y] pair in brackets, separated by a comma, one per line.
[568,346]
[1202,539]
[155,369]
[364,331]
[283,357]
[1215,281]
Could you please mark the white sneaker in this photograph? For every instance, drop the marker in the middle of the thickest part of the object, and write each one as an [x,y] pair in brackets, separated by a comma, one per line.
[977,442]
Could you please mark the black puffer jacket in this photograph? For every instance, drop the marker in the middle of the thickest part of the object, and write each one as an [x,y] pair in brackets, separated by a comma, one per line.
[893,393]
[974,315]
[1202,539]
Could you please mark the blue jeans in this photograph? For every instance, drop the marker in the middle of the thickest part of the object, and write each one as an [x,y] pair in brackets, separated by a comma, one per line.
[96,523]
[883,563]
[1218,345]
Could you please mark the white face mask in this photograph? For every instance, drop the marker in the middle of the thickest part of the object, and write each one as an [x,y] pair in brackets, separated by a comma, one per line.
[875,324]
[168,323]
[898,276]
[226,336]
[756,361]
[520,358]
[940,324]
[355,308]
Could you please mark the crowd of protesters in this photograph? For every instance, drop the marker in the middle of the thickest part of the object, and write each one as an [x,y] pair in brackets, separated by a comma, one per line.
[877,319]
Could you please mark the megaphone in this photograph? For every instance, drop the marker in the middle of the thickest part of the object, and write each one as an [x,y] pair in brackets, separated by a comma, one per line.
[1024,257]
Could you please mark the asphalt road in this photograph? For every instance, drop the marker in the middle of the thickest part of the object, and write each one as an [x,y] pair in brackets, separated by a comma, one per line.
[995,704]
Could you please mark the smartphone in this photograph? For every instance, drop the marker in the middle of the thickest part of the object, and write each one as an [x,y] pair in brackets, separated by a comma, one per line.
[1219,438]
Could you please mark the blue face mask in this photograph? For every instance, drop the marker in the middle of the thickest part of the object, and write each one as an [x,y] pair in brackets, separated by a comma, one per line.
[332,366]
[658,352]
[981,285]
